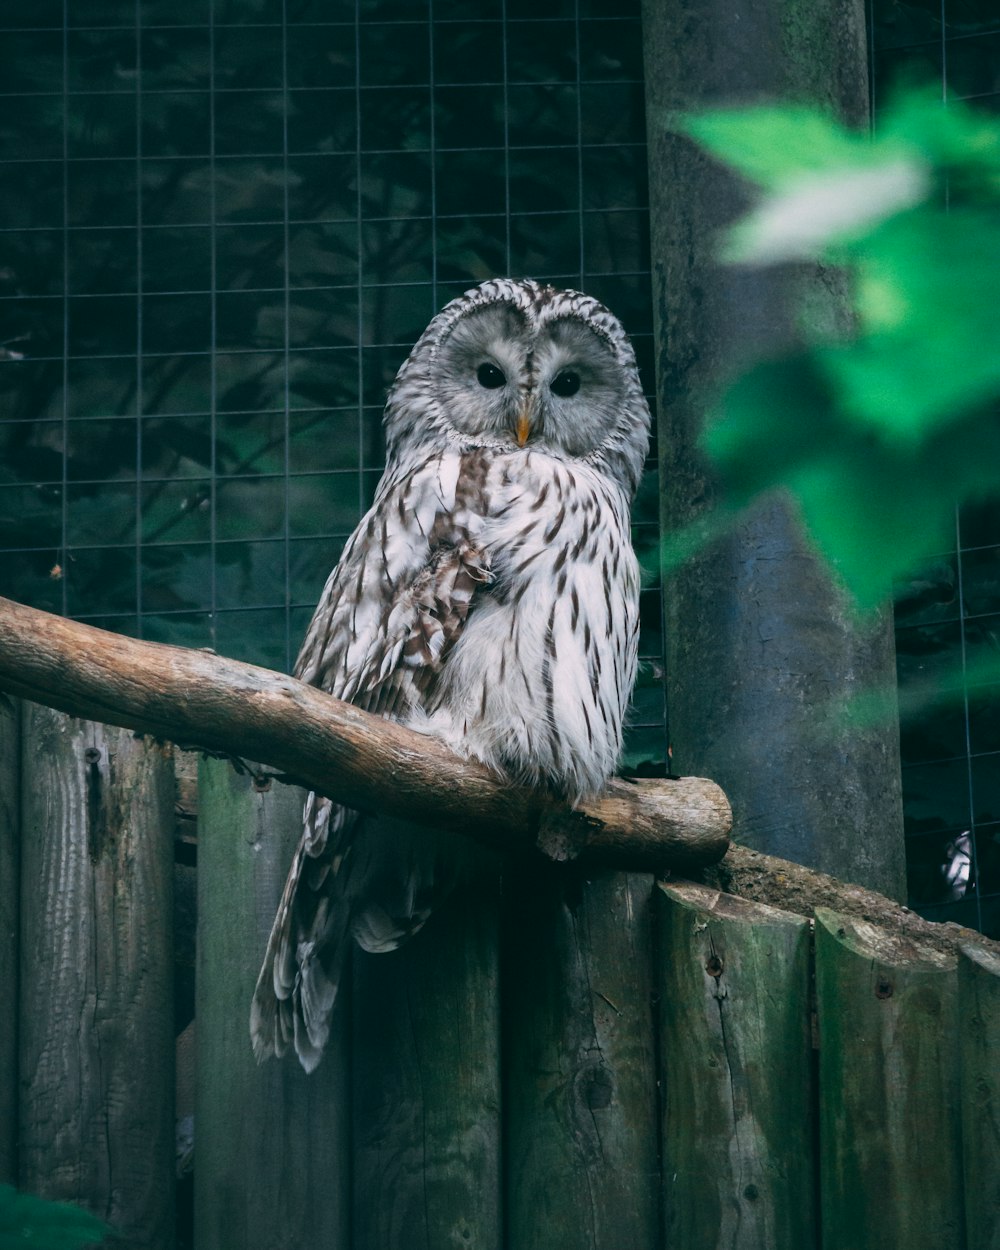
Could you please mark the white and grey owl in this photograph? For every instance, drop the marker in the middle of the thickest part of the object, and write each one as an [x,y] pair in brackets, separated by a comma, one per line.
[490,597]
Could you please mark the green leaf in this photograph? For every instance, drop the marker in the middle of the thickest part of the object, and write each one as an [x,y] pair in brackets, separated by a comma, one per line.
[878,434]
[929,347]
[828,185]
[874,507]
[28,1223]
[816,212]
[952,137]
[777,144]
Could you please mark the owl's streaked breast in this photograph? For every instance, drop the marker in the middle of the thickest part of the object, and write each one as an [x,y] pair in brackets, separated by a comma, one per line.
[541,675]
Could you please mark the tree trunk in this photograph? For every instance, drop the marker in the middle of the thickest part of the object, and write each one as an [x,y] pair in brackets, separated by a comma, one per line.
[760,643]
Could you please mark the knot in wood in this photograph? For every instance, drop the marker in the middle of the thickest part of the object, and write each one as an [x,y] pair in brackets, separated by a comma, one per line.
[714,966]
[562,833]
[884,988]
[596,1087]
[92,755]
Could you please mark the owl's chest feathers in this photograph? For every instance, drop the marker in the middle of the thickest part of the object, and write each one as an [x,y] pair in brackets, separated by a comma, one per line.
[540,676]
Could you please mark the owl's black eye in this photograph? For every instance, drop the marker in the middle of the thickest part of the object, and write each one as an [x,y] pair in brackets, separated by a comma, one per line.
[565,383]
[490,376]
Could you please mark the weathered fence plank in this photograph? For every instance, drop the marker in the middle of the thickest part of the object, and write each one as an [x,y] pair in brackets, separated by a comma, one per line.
[426,1082]
[579,1079]
[979,1013]
[96,1001]
[271,1155]
[737,1073]
[889,1107]
[10,817]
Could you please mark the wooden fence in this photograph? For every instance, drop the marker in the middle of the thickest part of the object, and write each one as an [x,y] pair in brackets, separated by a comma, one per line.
[565,1063]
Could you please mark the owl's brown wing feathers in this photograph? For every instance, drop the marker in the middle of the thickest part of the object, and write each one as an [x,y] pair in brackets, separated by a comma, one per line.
[391,611]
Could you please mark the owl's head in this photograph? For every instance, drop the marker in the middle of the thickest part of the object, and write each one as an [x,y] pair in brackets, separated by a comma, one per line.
[514,364]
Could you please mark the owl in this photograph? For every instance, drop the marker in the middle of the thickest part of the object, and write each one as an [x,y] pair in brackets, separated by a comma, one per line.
[489,598]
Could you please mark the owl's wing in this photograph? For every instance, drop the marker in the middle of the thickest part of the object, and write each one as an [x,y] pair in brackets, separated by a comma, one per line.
[390,612]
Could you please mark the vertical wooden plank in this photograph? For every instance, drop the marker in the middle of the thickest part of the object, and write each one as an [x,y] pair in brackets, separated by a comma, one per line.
[737,1073]
[96,1001]
[979,1016]
[579,1079]
[270,1153]
[10,818]
[426,1081]
[889,1095]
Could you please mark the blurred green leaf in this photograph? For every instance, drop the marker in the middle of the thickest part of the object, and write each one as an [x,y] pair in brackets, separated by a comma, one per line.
[877,434]
[27,1222]
[873,507]
[929,346]
[833,206]
[774,145]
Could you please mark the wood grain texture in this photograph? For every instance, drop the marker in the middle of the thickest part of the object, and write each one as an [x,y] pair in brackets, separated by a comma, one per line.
[579,1069]
[761,644]
[426,1082]
[10,820]
[96,1001]
[195,698]
[979,1014]
[890,1168]
[736,1056]
[271,1147]
[792,887]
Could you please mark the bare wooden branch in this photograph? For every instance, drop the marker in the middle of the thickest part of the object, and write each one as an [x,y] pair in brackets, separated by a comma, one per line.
[201,700]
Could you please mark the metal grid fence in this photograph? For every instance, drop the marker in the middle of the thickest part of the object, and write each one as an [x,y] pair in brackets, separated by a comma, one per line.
[223,225]
[948,617]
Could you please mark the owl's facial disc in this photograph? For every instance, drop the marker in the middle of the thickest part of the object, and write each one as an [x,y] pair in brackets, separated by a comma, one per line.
[580,389]
[556,385]
[479,368]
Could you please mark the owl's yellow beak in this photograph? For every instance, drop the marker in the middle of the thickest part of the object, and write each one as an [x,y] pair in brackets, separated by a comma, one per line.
[523,427]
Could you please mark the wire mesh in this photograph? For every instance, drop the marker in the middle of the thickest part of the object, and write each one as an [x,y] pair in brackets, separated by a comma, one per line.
[223,225]
[948,617]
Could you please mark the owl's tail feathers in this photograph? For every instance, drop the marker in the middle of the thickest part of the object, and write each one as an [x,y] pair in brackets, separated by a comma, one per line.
[306,951]
[401,873]
[377,930]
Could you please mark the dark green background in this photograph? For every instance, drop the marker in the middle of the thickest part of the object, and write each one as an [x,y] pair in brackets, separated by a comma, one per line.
[222,225]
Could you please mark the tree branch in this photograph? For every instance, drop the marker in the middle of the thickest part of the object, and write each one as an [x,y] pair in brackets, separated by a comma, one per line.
[202,700]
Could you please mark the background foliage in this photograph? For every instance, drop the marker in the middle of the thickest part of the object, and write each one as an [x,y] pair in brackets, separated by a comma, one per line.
[879,434]
[223,224]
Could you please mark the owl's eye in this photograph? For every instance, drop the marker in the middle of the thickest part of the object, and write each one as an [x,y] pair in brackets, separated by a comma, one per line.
[565,383]
[490,376]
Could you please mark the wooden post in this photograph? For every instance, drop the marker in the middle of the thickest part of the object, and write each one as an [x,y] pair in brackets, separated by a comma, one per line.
[96,1002]
[271,1154]
[580,1083]
[10,820]
[979,1016]
[737,1073]
[889,1111]
[761,644]
[426,1081]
